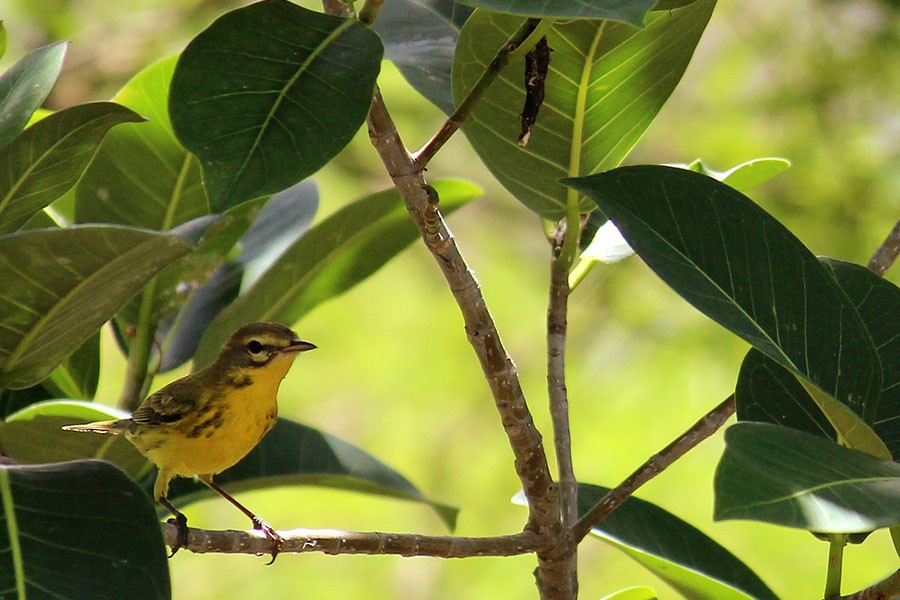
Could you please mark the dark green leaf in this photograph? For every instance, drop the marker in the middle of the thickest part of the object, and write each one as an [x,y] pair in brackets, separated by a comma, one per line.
[141,175]
[295,454]
[606,83]
[2,39]
[420,38]
[792,478]
[269,93]
[678,553]
[25,86]
[629,11]
[742,268]
[49,157]
[766,392]
[60,286]
[331,258]
[878,303]
[78,529]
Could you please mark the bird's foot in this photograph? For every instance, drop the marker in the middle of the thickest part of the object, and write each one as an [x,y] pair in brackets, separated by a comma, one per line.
[277,540]
[181,523]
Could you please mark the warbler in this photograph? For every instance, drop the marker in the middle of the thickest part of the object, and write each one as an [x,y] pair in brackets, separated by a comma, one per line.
[206,422]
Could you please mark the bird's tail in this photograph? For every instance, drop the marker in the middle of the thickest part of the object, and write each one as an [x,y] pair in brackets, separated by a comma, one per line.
[115,427]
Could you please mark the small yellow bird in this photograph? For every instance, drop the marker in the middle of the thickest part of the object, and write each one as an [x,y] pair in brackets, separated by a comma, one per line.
[206,422]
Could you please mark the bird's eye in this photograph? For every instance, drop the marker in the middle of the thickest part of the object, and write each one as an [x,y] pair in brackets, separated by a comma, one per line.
[254,347]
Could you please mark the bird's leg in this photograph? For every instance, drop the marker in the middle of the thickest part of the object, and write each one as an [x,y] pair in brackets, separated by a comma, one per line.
[179,521]
[277,540]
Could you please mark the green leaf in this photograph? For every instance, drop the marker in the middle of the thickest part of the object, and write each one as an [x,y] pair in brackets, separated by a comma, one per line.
[295,454]
[291,454]
[420,39]
[738,265]
[331,258]
[141,175]
[744,176]
[767,393]
[676,552]
[602,242]
[606,83]
[75,280]
[49,157]
[284,218]
[269,93]
[629,11]
[78,527]
[2,39]
[77,376]
[633,593]
[787,477]
[25,86]
[34,435]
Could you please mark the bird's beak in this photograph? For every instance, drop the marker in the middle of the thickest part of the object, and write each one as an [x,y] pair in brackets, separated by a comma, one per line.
[298,346]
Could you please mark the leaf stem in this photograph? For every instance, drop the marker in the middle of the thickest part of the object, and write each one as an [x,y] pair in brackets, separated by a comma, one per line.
[369,12]
[138,375]
[835,565]
[514,45]
[656,464]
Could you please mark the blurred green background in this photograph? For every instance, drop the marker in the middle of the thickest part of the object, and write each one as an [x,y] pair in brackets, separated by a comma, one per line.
[812,81]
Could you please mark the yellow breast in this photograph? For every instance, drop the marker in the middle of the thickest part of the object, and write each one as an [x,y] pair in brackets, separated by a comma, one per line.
[226,428]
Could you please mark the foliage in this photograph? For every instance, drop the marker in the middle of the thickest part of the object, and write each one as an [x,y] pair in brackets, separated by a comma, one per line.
[183,209]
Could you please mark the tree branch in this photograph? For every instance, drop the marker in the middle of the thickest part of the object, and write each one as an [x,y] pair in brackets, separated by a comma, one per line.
[659,462]
[887,252]
[886,589]
[499,369]
[331,541]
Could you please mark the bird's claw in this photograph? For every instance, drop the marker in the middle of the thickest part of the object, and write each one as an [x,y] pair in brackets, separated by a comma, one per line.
[277,540]
[181,523]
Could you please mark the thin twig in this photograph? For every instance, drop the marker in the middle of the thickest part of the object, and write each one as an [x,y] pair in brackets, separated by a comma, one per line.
[369,12]
[699,431]
[521,38]
[331,541]
[557,310]
[887,252]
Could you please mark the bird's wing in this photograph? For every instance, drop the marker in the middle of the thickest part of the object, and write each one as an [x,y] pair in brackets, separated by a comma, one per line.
[164,407]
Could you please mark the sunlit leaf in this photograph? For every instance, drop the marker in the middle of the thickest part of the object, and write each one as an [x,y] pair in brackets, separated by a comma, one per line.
[25,86]
[269,93]
[49,157]
[606,83]
[747,175]
[78,529]
[141,175]
[787,477]
[742,268]
[329,259]
[34,435]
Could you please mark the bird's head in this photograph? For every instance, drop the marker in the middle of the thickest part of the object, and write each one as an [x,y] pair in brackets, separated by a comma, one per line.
[259,344]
